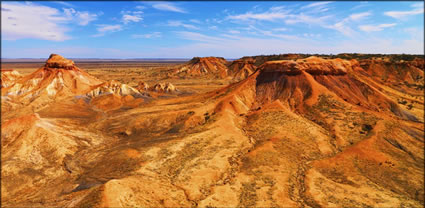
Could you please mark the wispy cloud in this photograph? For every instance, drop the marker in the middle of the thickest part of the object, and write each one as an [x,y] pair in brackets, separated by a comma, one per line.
[344,27]
[316,4]
[174,23]
[280,13]
[131,16]
[64,3]
[103,29]
[375,28]
[270,16]
[28,20]
[307,19]
[126,18]
[149,35]
[359,16]
[167,6]
[82,18]
[418,8]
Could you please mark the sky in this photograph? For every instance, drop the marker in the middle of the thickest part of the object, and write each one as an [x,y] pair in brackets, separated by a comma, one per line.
[179,29]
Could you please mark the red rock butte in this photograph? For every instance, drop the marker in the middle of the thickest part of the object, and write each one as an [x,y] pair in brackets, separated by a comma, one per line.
[312,65]
[57,61]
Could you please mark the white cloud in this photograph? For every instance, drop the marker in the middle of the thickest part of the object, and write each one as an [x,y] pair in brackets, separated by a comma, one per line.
[311,20]
[403,14]
[28,20]
[166,6]
[343,27]
[359,16]
[64,3]
[103,29]
[270,16]
[126,18]
[316,4]
[109,28]
[375,28]
[234,31]
[140,7]
[84,18]
[173,23]
[149,35]
[213,27]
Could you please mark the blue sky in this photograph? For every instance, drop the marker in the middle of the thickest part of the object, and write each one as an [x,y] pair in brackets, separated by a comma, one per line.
[154,29]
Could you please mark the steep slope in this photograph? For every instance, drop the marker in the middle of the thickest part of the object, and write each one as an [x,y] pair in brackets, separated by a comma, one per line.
[8,77]
[402,75]
[242,68]
[58,78]
[203,66]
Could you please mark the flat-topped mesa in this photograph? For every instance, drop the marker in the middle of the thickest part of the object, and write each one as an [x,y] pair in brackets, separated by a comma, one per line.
[59,62]
[196,60]
[312,65]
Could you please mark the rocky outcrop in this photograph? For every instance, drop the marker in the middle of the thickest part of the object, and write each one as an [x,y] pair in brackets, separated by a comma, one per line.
[56,61]
[142,86]
[203,66]
[411,72]
[163,87]
[8,77]
[113,87]
[242,68]
[312,65]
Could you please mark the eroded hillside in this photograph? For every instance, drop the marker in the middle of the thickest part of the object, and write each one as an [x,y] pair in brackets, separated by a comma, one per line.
[307,132]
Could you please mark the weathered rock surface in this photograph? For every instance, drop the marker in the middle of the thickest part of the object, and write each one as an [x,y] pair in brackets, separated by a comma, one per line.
[8,77]
[204,66]
[307,133]
[242,68]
